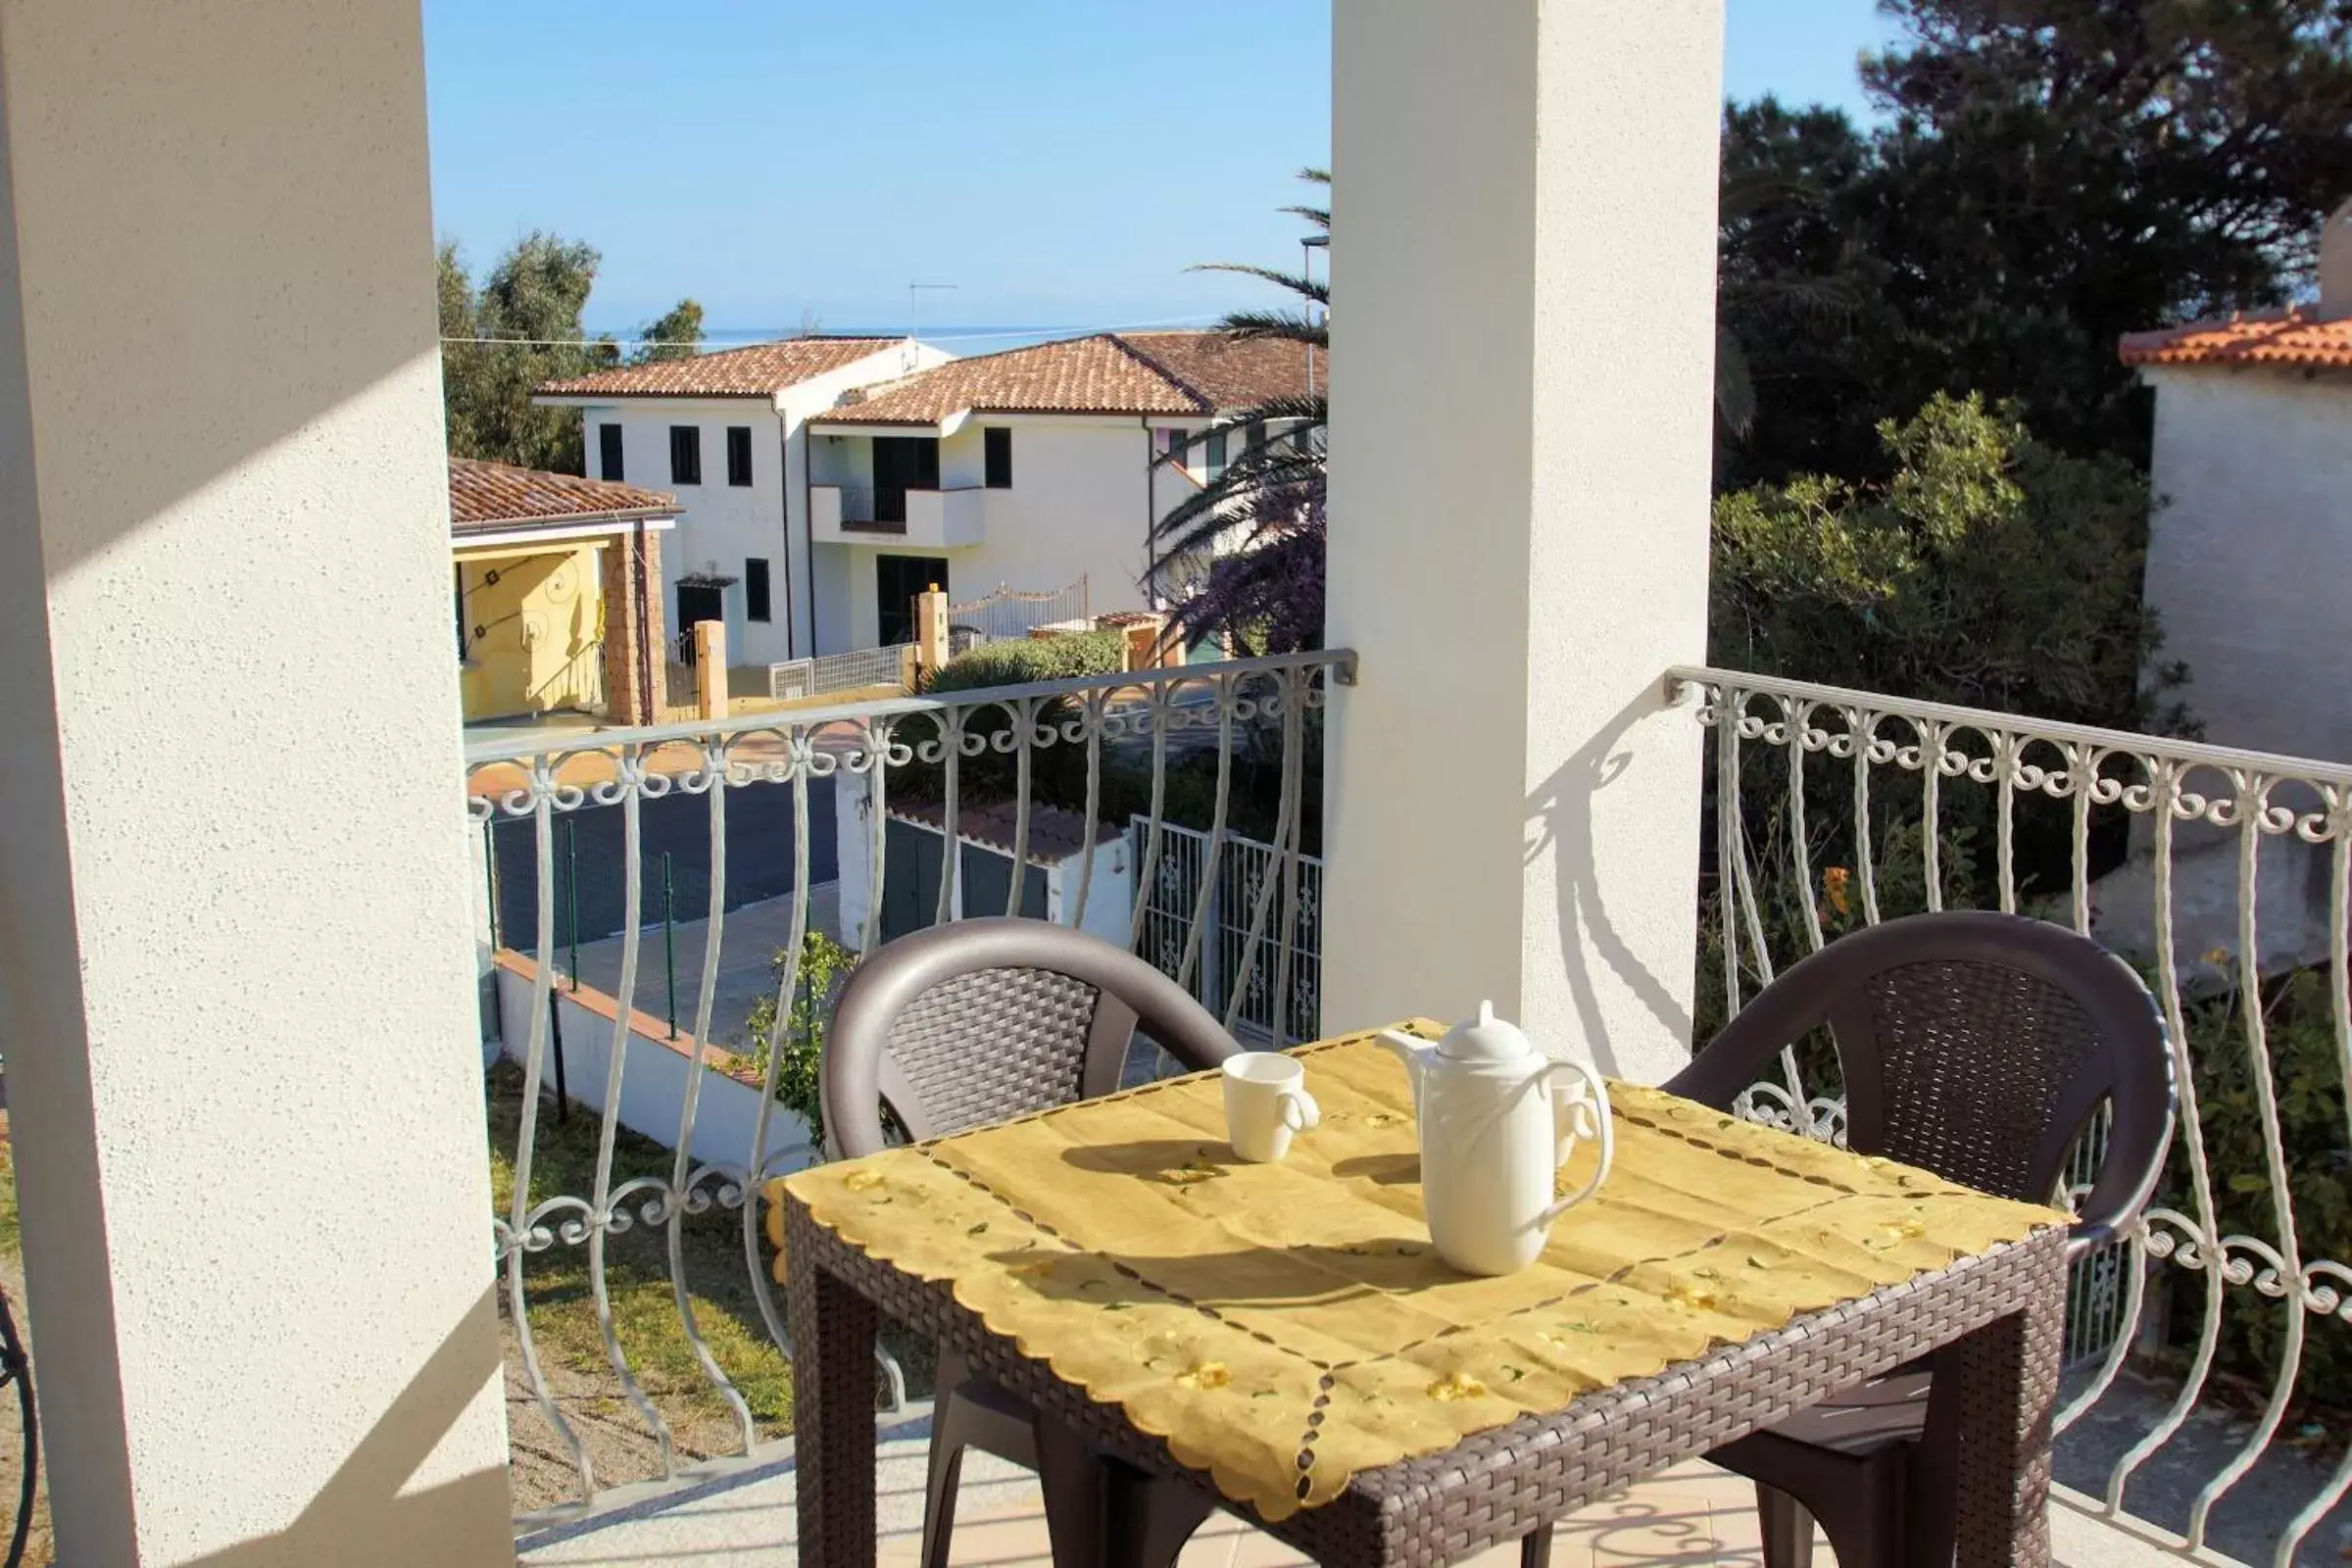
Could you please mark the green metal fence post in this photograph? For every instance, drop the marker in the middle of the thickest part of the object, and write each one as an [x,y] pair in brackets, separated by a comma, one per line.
[490,876]
[571,886]
[669,956]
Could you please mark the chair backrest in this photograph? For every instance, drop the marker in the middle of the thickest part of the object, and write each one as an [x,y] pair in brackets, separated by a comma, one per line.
[1974,1045]
[976,1021]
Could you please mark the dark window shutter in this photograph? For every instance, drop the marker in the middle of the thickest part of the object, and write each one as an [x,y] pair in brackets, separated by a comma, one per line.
[1257,437]
[755,586]
[1215,455]
[685,453]
[998,453]
[607,450]
[738,453]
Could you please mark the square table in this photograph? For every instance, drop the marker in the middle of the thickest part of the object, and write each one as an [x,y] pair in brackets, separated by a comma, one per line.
[1200,1319]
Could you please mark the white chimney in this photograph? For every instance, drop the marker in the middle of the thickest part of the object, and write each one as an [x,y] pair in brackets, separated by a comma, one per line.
[2335,262]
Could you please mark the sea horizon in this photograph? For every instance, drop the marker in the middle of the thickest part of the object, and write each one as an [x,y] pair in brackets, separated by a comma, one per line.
[960,340]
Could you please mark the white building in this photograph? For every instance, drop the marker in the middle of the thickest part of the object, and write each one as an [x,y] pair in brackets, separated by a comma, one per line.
[1025,469]
[2249,547]
[2251,541]
[723,433]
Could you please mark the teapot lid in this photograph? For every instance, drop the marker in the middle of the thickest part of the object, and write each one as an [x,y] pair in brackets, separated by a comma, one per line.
[1486,1039]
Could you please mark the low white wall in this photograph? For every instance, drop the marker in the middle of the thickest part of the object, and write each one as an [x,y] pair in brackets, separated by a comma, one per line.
[653,1077]
[1109,899]
[1109,895]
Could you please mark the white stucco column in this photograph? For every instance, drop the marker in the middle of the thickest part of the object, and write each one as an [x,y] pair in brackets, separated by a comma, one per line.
[1523,268]
[242,1073]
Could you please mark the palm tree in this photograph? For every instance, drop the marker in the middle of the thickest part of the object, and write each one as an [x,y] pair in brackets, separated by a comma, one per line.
[1247,550]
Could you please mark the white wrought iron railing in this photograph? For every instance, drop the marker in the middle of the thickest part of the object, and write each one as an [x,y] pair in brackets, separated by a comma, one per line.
[1098,745]
[2224,873]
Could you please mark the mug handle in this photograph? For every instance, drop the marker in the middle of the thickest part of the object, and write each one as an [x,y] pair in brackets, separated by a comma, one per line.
[1585,1104]
[1299,1111]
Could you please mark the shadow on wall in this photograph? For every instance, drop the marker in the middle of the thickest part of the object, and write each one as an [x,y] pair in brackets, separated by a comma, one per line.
[1559,814]
[349,1522]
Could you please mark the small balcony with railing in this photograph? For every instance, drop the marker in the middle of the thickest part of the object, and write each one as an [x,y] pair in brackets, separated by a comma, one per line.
[945,518]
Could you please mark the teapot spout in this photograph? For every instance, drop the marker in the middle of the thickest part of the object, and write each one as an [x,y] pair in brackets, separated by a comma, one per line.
[1411,1050]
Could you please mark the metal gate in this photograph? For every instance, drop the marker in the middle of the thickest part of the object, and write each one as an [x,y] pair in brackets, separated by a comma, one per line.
[1225,960]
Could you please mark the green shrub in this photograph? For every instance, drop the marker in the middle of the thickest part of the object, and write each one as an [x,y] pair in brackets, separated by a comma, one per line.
[1017,662]
[2299,1033]
[800,1078]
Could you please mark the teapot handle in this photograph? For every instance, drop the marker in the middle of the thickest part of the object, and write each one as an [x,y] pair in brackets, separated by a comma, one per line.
[1581,1107]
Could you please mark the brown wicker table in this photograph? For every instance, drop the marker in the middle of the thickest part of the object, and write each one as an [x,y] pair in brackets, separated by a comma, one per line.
[2000,1310]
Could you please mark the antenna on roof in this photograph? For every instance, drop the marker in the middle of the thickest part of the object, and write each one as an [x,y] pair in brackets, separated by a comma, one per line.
[915,317]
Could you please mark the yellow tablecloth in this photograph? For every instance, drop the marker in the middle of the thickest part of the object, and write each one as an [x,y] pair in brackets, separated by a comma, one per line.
[1285,1326]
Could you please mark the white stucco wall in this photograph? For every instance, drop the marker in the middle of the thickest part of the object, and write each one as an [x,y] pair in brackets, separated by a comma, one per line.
[722,525]
[1510,809]
[1109,899]
[2250,550]
[795,406]
[246,1105]
[1077,506]
[653,1074]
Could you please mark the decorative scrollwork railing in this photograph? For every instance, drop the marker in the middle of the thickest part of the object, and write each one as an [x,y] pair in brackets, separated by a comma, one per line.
[524,788]
[1910,782]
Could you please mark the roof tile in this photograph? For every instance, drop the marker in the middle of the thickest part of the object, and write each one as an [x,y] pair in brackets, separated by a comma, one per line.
[1234,372]
[484,496]
[760,371]
[2285,339]
[1194,373]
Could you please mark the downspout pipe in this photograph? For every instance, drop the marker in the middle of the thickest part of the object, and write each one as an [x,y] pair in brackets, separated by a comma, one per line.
[1150,522]
[784,517]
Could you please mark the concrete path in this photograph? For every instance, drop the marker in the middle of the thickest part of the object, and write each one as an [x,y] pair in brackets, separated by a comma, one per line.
[750,938]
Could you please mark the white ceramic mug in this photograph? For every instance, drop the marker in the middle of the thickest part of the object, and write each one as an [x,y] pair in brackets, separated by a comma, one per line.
[1265,1102]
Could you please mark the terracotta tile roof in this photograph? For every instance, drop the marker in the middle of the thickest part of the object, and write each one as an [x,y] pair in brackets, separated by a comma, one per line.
[1078,376]
[760,371]
[1110,372]
[2293,339]
[1231,372]
[487,496]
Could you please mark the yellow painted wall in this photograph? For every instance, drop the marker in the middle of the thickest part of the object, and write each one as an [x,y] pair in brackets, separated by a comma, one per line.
[534,630]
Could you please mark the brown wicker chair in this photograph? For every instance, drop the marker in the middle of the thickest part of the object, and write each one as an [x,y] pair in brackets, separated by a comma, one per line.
[1976,1045]
[974,1022]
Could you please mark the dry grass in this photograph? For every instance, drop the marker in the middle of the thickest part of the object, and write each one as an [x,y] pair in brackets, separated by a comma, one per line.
[645,1318]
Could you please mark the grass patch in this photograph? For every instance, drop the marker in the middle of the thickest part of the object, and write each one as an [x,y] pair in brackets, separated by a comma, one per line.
[645,1313]
[11,1236]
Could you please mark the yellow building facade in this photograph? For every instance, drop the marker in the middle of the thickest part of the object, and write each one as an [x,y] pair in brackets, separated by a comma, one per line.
[533,630]
[555,591]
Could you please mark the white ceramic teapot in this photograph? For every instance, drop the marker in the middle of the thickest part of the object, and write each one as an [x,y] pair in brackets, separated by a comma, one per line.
[1498,1119]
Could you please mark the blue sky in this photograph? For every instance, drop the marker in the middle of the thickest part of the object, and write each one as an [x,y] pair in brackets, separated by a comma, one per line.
[1060,162]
